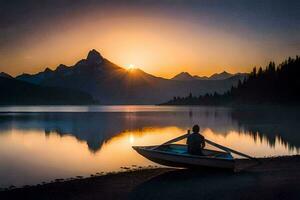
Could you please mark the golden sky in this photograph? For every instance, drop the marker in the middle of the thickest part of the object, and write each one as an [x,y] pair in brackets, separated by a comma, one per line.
[159,40]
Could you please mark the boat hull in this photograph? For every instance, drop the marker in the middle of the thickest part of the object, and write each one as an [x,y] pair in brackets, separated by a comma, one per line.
[184,160]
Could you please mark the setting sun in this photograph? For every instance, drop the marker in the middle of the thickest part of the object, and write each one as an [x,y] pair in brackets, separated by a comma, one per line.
[130,67]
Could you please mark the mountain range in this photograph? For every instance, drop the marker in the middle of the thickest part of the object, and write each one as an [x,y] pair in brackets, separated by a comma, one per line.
[109,83]
[273,85]
[185,76]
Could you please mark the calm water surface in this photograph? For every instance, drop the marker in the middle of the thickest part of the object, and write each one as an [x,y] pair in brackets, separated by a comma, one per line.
[43,143]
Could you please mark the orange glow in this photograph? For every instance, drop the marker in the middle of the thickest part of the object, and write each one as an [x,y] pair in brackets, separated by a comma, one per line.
[54,156]
[160,46]
[130,67]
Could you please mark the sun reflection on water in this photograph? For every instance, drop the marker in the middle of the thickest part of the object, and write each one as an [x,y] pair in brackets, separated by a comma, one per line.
[33,156]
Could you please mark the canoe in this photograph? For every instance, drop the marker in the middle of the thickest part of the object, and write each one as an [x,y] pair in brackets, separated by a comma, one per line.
[175,155]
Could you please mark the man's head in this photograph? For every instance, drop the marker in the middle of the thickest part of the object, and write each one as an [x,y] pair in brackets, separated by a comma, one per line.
[196,129]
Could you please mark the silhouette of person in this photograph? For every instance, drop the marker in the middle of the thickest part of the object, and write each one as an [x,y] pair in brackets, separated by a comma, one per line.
[195,141]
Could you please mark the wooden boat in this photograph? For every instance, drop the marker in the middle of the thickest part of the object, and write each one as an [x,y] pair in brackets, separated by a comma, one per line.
[175,155]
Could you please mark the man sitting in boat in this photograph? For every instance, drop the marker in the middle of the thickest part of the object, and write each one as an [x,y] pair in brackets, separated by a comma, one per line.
[195,142]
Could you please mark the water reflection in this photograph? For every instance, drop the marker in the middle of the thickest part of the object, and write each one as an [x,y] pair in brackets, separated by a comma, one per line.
[96,127]
[37,147]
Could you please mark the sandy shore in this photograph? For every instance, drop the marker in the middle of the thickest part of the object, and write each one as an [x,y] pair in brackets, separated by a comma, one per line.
[274,178]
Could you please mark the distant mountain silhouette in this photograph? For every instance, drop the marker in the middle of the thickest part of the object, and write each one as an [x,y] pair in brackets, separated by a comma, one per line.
[201,77]
[221,76]
[111,84]
[274,85]
[16,92]
[185,76]
[5,75]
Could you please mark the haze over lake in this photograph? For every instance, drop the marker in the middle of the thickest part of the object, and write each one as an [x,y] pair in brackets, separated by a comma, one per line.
[49,142]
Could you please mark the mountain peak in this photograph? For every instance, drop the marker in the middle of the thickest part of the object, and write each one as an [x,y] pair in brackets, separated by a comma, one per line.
[183,76]
[5,75]
[94,57]
[48,70]
[225,73]
[221,76]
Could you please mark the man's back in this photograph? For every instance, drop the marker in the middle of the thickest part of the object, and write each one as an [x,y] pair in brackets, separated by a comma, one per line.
[195,143]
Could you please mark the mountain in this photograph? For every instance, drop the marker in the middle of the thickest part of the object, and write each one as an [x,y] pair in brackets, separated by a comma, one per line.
[110,84]
[185,76]
[274,85]
[221,76]
[16,92]
[5,75]
[201,77]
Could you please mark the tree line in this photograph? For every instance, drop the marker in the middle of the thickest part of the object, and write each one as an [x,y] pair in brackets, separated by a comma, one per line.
[272,85]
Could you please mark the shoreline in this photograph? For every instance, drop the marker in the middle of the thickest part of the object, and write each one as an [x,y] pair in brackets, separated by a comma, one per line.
[273,178]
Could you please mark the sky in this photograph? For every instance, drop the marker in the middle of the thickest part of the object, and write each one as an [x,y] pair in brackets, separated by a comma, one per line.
[161,37]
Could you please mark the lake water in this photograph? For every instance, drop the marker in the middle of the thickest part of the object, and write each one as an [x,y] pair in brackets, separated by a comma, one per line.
[44,143]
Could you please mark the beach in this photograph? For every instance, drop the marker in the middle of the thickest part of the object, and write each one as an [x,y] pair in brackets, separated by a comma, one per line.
[271,178]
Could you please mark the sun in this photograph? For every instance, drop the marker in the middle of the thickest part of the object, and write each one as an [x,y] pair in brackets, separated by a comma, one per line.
[131,67]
